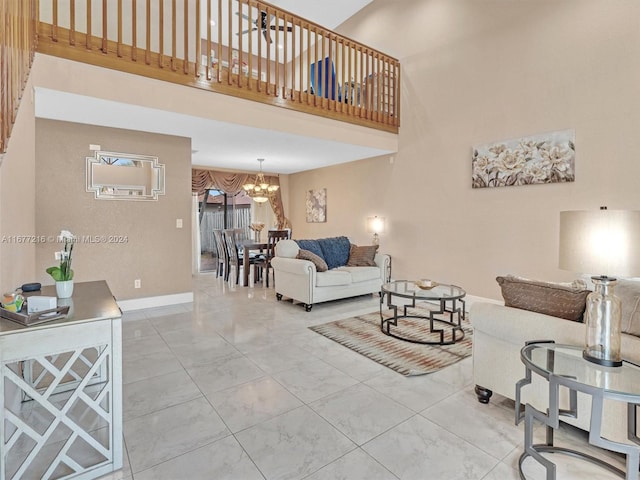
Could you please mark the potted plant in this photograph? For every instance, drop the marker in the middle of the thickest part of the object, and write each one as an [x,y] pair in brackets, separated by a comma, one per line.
[63,274]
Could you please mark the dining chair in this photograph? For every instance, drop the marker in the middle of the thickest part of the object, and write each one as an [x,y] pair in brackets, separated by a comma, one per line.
[235,259]
[264,263]
[221,250]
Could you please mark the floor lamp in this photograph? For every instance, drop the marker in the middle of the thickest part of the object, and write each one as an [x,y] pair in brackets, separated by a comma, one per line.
[606,242]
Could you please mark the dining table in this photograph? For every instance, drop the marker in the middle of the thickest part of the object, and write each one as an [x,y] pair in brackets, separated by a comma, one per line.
[247,247]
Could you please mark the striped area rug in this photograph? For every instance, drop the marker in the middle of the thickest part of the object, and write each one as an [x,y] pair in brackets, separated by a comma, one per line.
[362,334]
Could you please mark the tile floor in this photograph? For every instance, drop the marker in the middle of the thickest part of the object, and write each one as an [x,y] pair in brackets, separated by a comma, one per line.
[235,386]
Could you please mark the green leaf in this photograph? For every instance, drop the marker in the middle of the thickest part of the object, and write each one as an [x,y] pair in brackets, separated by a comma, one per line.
[58,275]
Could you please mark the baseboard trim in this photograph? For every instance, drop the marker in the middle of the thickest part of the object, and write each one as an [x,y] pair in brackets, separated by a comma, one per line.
[150,302]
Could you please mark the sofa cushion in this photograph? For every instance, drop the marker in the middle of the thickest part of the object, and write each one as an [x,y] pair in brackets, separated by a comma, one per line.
[362,256]
[628,292]
[335,251]
[312,245]
[566,301]
[321,265]
[287,249]
[362,274]
[332,278]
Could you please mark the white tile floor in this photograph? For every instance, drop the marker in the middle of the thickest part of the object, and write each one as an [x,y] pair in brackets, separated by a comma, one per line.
[235,386]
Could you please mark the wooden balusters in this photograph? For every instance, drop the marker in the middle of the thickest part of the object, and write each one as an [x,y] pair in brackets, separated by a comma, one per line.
[119,46]
[54,29]
[104,27]
[281,59]
[185,59]
[161,35]
[147,50]
[72,22]
[18,40]
[134,30]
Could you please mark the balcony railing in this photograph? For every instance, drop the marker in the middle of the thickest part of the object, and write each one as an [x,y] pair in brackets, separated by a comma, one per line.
[245,48]
[17,48]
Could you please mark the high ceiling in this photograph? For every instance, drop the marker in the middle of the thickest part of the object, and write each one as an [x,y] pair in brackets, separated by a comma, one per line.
[219,144]
[329,13]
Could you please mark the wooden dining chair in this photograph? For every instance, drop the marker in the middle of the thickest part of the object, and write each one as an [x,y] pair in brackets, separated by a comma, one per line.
[221,249]
[235,259]
[264,263]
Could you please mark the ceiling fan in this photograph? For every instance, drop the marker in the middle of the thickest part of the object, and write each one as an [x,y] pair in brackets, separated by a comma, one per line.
[263,24]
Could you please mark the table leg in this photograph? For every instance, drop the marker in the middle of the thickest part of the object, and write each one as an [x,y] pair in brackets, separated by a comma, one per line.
[245,266]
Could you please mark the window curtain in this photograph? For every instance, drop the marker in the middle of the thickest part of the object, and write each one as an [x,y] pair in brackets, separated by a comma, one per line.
[231,184]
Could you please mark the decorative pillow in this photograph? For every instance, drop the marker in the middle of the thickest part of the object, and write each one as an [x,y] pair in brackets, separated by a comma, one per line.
[287,249]
[335,251]
[311,245]
[566,301]
[362,256]
[321,265]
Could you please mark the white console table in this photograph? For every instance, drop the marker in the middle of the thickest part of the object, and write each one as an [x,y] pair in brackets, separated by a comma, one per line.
[61,390]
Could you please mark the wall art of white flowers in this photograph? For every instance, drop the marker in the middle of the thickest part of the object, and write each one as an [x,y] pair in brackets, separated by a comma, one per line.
[317,206]
[544,158]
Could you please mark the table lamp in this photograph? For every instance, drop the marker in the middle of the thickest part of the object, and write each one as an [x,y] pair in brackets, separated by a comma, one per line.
[375,225]
[605,242]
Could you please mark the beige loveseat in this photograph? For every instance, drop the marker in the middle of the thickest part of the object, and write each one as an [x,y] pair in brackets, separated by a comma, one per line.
[299,279]
[500,332]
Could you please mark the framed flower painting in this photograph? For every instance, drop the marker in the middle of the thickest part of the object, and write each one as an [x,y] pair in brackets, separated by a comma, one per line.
[544,158]
[316,206]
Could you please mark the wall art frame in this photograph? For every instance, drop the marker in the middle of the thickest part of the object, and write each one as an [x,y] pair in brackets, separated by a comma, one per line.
[124,176]
[535,159]
[316,203]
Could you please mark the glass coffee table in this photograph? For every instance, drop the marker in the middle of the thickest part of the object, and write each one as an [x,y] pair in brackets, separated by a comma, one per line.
[451,307]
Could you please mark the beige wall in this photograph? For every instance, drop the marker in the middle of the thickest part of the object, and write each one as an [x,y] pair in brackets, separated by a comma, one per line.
[476,72]
[17,199]
[148,246]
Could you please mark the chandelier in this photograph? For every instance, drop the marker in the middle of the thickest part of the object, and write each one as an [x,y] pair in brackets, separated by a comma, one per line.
[258,188]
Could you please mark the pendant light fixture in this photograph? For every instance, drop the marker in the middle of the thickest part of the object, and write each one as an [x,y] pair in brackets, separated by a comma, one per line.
[258,188]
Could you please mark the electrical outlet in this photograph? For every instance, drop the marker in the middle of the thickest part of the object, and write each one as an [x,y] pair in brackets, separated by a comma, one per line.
[136,283]
[58,255]
[178,223]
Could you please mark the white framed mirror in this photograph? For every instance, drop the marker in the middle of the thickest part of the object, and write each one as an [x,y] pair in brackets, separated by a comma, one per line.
[124,176]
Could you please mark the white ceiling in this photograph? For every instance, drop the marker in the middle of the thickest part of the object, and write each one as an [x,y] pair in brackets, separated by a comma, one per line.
[328,13]
[219,144]
[213,143]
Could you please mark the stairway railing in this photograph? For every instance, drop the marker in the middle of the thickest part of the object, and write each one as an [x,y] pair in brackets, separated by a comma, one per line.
[17,48]
[246,48]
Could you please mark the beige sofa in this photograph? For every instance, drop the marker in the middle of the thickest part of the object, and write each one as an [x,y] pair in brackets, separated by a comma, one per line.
[301,281]
[500,332]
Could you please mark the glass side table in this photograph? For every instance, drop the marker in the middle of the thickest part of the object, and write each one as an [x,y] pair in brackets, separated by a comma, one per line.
[563,366]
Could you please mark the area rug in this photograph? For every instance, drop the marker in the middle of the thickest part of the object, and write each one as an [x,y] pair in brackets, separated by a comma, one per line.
[362,334]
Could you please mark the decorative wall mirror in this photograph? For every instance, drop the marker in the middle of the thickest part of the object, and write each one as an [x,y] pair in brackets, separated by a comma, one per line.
[124,176]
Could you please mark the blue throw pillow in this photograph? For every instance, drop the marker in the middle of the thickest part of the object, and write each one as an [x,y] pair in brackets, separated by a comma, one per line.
[312,245]
[335,251]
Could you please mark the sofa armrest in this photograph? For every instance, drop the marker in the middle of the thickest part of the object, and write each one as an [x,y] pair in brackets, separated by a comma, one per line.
[295,266]
[383,261]
[294,278]
[516,326]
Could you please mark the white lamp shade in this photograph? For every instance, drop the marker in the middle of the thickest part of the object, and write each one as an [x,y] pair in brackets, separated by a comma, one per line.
[600,242]
[375,224]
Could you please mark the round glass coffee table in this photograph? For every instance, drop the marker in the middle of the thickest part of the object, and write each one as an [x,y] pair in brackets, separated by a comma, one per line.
[451,305]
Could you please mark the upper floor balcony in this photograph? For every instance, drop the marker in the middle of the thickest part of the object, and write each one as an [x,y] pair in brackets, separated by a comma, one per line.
[245,48]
